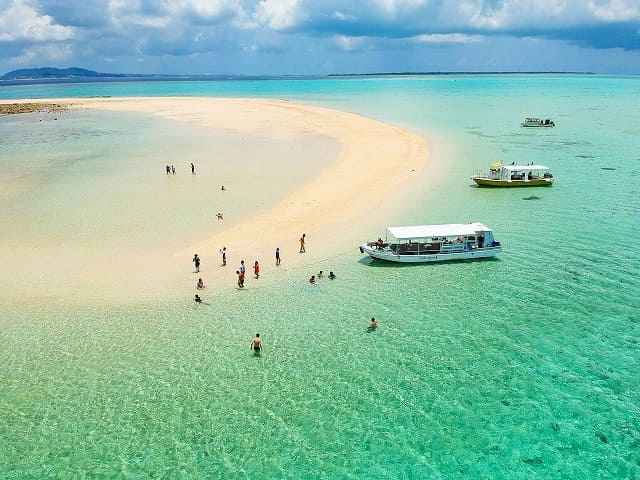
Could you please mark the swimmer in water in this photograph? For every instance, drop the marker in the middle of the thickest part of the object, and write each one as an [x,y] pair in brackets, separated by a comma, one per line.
[256,344]
[373,325]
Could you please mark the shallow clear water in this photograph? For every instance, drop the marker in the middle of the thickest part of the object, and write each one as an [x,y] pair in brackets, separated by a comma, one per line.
[521,367]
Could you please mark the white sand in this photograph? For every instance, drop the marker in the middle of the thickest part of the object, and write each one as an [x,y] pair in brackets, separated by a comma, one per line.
[375,160]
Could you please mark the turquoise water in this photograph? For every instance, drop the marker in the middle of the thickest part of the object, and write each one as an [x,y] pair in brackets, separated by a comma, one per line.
[522,367]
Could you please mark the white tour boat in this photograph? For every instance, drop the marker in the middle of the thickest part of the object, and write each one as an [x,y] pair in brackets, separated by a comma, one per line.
[514,176]
[537,122]
[434,243]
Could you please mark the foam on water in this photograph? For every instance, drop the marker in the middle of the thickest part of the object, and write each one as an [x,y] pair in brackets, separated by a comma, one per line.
[521,367]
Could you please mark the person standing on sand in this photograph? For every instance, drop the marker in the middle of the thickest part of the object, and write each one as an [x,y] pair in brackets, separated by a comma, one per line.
[256,269]
[240,279]
[278,256]
[168,169]
[243,269]
[193,169]
[196,260]
[223,252]
[173,169]
[302,238]
[256,344]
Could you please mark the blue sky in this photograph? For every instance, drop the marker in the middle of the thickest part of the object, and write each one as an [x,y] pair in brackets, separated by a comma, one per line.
[289,37]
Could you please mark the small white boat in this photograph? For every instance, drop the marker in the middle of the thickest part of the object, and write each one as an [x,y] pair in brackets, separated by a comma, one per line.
[537,122]
[514,176]
[434,243]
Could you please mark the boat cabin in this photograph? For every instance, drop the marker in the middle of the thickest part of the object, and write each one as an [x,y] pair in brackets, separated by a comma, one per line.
[435,239]
[509,173]
[537,122]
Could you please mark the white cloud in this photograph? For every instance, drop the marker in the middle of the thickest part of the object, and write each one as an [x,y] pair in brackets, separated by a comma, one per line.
[615,10]
[447,38]
[349,44]
[343,16]
[279,14]
[207,10]
[51,52]
[21,21]
[393,6]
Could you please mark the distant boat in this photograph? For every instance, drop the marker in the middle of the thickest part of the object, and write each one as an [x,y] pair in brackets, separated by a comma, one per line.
[434,243]
[537,122]
[514,176]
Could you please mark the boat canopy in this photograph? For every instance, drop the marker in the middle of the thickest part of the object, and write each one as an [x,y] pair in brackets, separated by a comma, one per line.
[519,168]
[431,231]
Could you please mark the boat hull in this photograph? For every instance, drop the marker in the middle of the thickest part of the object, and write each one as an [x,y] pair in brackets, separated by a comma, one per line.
[486,182]
[390,256]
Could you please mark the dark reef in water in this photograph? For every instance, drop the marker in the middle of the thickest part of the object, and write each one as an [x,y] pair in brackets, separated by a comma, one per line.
[532,197]
[607,168]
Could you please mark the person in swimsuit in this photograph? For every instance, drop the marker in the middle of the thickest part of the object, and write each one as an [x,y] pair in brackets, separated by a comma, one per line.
[200,284]
[312,280]
[278,256]
[197,299]
[332,275]
[193,168]
[256,344]
[320,274]
[223,252]
[240,278]
[302,250]
[196,260]
[256,269]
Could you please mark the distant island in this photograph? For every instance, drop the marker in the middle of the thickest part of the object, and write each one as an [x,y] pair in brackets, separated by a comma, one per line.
[418,74]
[47,75]
[51,72]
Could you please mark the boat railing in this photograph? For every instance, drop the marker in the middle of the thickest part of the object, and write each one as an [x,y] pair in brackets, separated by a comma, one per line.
[452,247]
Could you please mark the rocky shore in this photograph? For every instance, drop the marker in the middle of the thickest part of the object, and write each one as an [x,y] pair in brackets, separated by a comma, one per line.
[15,108]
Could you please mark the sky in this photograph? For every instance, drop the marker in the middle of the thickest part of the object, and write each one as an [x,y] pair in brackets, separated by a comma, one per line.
[318,37]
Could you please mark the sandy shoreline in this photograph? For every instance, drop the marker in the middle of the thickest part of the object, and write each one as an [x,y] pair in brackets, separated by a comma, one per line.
[375,160]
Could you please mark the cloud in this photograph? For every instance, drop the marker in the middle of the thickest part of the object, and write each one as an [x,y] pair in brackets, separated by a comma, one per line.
[615,10]
[48,53]
[106,30]
[447,38]
[20,20]
[280,14]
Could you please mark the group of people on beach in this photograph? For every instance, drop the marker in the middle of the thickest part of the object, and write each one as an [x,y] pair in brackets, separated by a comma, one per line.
[256,343]
[242,269]
[170,169]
